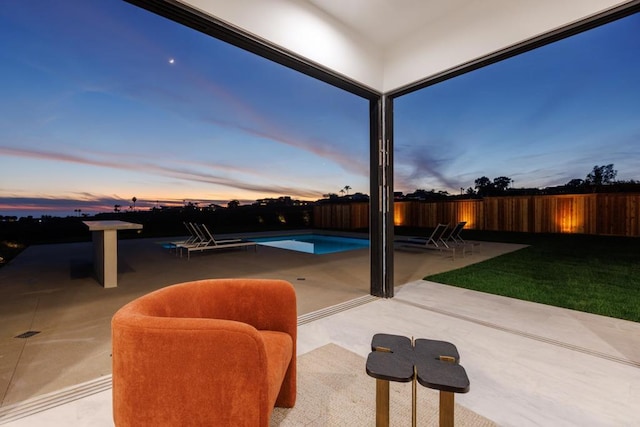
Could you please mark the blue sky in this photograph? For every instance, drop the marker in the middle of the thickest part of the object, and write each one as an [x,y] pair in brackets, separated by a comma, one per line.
[541,118]
[94,111]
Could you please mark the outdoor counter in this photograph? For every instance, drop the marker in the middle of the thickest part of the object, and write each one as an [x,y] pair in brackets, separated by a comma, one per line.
[105,248]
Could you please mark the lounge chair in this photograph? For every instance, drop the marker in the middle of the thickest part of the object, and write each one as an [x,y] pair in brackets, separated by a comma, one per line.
[434,241]
[454,239]
[193,238]
[454,236]
[200,238]
[208,242]
[204,239]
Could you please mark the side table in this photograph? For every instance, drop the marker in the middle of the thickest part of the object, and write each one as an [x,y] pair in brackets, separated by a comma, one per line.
[433,364]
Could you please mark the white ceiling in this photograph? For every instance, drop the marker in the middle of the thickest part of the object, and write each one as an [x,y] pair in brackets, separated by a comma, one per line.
[388,44]
[387,22]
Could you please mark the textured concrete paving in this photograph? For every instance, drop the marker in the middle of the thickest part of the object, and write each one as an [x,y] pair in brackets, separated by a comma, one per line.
[51,289]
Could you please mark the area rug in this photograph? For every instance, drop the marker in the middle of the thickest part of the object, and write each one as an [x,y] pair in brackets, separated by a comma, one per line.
[335,390]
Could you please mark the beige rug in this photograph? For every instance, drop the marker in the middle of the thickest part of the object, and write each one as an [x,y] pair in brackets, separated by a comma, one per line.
[335,390]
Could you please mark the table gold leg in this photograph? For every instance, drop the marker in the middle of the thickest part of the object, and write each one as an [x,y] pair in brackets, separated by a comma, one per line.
[447,404]
[414,399]
[382,403]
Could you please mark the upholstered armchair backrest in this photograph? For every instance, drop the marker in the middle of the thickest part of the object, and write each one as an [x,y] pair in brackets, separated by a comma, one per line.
[263,304]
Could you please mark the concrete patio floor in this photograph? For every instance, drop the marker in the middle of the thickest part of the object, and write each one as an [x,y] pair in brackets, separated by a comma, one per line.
[50,289]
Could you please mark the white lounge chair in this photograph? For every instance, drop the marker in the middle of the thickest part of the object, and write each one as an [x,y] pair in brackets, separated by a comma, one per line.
[200,238]
[193,238]
[454,236]
[433,241]
[208,242]
[454,239]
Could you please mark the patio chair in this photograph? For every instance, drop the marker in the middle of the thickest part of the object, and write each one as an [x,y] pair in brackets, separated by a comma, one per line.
[454,239]
[436,237]
[209,242]
[204,238]
[200,238]
[434,241]
[193,238]
[454,236]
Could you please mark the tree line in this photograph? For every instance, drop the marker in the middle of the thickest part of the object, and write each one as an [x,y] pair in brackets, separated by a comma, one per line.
[601,178]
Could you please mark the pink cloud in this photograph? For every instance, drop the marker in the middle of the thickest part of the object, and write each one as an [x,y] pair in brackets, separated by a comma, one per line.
[178,173]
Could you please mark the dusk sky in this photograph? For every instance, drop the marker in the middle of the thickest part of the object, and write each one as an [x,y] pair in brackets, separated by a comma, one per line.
[103,101]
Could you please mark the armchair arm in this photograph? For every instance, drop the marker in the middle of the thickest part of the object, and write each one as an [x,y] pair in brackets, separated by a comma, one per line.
[267,305]
[222,362]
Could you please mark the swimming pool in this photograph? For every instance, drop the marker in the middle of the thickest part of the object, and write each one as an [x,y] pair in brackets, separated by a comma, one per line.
[314,243]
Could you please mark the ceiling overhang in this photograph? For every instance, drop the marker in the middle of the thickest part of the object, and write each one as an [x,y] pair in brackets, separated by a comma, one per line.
[386,45]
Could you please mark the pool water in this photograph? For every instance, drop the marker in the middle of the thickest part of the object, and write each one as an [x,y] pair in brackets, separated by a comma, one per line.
[314,243]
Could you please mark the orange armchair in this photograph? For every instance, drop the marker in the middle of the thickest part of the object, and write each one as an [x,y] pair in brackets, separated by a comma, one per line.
[218,352]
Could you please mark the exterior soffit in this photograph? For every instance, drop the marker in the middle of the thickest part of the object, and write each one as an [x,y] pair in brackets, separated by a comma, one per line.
[387,44]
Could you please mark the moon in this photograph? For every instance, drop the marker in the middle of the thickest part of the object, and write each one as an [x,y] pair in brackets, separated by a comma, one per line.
[171,61]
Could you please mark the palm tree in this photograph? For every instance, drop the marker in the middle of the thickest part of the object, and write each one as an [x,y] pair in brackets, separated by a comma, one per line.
[134,200]
[116,208]
[346,189]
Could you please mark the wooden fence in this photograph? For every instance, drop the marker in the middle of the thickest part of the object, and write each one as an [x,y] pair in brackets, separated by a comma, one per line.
[605,214]
[347,216]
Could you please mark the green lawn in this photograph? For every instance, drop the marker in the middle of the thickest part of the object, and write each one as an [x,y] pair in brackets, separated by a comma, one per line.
[594,274]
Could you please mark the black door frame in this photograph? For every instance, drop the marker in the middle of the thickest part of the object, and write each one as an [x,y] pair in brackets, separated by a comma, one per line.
[381,226]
